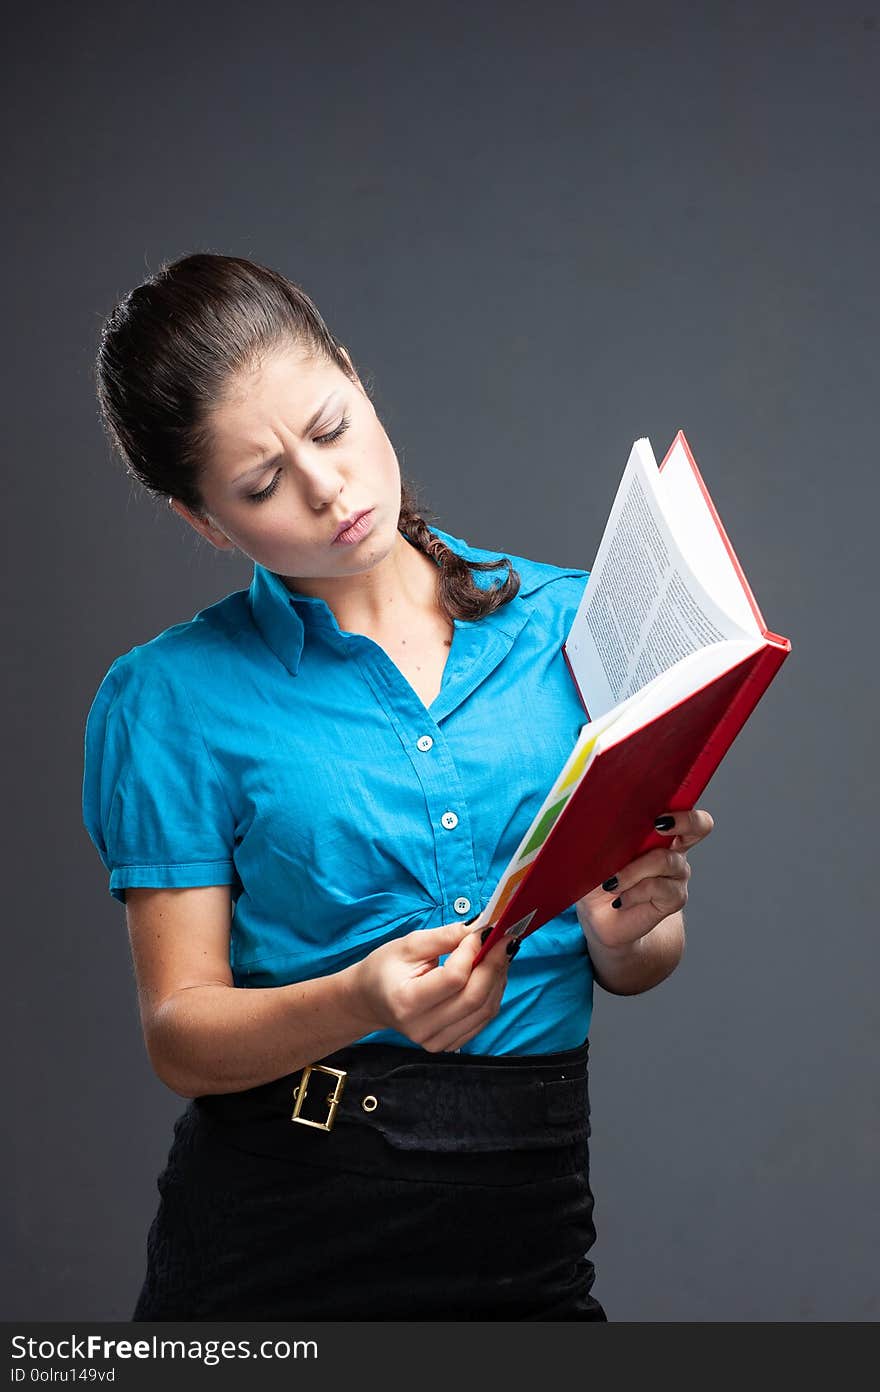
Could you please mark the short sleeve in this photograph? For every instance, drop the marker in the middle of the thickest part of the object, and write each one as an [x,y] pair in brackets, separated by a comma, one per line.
[152,801]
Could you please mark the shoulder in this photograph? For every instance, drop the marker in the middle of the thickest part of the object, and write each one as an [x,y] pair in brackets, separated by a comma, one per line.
[541,582]
[169,668]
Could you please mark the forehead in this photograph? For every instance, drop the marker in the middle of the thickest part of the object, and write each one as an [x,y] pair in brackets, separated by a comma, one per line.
[288,377]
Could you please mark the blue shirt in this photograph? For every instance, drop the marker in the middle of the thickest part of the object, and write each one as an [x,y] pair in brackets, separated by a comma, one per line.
[259,745]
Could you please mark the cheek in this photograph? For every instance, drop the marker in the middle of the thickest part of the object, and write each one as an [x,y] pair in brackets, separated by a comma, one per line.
[268,529]
[388,463]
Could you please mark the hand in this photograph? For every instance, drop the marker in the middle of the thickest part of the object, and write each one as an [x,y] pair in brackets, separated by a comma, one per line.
[647,890]
[402,985]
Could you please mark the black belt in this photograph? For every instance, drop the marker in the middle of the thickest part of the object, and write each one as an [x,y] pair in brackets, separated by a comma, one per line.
[416,1100]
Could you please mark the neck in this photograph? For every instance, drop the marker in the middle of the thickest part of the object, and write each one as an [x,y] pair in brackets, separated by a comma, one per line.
[401,587]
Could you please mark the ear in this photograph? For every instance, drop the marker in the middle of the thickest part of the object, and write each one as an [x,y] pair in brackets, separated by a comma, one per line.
[203,526]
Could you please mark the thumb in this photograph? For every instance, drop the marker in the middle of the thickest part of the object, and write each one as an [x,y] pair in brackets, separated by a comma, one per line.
[433,942]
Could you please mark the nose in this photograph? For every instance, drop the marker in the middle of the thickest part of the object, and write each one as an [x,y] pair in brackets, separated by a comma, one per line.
[321,498]
[321,482]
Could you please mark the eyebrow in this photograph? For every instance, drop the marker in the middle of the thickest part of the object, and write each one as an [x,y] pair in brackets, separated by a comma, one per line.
[266,463]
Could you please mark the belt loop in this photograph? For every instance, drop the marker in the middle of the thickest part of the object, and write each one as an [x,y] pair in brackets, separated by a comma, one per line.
[565,1100]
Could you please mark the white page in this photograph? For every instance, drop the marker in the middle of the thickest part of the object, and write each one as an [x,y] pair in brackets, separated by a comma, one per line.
[699,537]
[643,609]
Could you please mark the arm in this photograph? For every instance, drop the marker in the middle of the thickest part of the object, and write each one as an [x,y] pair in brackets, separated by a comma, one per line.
[633,923]
[635,967]
[204,1035]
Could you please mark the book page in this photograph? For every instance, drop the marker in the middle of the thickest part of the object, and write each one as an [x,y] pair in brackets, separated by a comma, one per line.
[643,608]
[699,537]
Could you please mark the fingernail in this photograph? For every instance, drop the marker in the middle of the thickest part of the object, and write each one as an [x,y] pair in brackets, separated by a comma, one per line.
[513,948]
[665,823]
[610,884]
[473,919]
[485,933]
[615,903]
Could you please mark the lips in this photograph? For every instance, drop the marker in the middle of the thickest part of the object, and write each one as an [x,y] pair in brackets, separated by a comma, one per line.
[349,522]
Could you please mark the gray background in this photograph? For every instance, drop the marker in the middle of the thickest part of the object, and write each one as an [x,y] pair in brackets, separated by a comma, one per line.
[542,230]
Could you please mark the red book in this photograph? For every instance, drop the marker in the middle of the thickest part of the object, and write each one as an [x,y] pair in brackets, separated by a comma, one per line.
[670,655]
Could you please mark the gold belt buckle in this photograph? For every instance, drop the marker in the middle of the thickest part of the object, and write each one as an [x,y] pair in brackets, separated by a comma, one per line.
[333,1098]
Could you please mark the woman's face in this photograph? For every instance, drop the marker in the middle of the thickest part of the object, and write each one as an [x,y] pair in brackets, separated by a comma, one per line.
[308,439]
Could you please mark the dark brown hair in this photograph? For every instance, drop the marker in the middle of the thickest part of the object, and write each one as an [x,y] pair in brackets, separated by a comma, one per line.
[167,354]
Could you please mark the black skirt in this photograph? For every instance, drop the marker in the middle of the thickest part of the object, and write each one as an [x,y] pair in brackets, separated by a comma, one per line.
[448,1187]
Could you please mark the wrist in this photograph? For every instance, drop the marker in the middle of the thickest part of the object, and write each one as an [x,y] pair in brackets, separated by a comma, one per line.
[616,951]
[357,998]
[633,967]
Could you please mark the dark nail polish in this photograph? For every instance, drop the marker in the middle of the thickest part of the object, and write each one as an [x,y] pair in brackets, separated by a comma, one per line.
[513,948]
[665,823]
[472,919]
[485,933]
[615,903]
[610,884]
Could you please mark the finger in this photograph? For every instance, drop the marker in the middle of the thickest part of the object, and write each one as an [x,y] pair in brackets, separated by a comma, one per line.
[435,982]
[458,1033]
[484,984]
[685,828]
[665,894]
[454,1033]
[430,943]
[634,922]
[659,861]
[496,957]
[488,976]
[450,1045]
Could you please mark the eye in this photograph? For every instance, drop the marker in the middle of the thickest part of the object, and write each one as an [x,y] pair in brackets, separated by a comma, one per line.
[334,434]
[265,492]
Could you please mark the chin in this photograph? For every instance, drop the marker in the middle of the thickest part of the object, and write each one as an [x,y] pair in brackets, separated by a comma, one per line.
[373,551]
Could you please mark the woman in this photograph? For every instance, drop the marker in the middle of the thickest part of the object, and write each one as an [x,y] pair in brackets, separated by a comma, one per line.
[311,788]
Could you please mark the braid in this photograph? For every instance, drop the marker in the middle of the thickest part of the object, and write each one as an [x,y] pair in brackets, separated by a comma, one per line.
[460,597]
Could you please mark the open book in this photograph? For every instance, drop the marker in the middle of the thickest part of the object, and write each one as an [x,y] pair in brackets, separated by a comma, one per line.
[670,655]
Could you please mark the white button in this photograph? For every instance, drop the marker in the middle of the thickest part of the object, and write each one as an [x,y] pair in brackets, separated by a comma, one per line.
[449,820]
[424,743]
[462,905]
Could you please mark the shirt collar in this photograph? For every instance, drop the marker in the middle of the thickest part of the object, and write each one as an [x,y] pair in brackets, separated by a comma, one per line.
[282,615]
[274,613]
